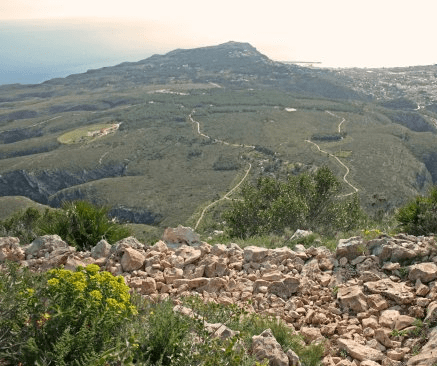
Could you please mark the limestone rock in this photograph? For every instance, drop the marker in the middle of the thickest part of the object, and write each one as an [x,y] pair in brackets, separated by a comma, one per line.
[382,336]
[159,246]
[265,346]
[350,248]
[189,254]
[359,351]
[300,234]
[44,244]
[220,330]
[310,334]
[293,358]
[129,242]
[352,298]
[72,263]
[425,272]
[172,274]
[101,249]
[395,291]
[255,254]
[377,302]
[180,235]
[10,250]
[219,250]
[388,318]
[404,321]
[132,260]
[369,363]
[284,288]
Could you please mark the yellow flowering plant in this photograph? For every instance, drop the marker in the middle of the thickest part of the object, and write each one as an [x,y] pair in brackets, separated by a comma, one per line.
[78,313]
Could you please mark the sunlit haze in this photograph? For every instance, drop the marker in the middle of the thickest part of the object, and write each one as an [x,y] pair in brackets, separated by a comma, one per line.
[337,33]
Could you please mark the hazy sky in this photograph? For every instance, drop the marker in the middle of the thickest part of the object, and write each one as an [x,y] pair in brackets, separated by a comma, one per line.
[341,33]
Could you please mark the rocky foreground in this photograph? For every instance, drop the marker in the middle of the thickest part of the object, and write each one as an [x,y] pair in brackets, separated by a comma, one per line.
[363,301]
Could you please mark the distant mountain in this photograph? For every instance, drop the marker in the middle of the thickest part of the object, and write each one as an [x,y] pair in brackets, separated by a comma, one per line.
[232,64]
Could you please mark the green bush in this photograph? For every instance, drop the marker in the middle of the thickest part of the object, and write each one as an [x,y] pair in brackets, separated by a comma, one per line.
[68,318]
[165,337]
[253,324]
[82,225]
[307,201]
[419,216]
[22,225]
[17,289]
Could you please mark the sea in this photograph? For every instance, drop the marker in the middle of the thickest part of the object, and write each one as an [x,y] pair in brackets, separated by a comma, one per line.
[33,52]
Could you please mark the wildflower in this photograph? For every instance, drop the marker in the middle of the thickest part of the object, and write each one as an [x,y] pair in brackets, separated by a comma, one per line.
[53,282]
[96,294]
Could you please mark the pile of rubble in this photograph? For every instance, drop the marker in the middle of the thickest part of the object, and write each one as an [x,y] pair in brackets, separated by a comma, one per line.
[363,301]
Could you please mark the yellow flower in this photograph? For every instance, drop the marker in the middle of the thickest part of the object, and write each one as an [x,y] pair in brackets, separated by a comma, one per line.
[92,269]
[53,282]
[96,294]
[79,286]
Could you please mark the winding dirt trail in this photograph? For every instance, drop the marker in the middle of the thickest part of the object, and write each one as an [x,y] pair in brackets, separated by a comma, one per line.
[355,189]
[190,116]
[226,196]
[342,121]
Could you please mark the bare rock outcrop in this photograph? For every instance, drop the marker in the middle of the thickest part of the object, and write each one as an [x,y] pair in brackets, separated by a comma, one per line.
[360,298]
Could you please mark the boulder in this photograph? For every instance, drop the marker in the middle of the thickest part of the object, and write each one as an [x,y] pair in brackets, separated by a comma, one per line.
[180,235]
[189,254]
[44,244]
[300,234]
[388,318]
[404,321]
[132,260]
[350,248]
[369,363]
[293,358]
[219,330]
[425,272]
[359,351]
[101,249]
[159,246]
[255,254]
[10,250]
[284,288]
[265,346]
[352,298]
[396,291]
[310,334]
[72,263]
[129,242]
[172,274]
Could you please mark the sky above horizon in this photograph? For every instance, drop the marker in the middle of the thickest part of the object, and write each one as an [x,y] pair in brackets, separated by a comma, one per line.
[337,33]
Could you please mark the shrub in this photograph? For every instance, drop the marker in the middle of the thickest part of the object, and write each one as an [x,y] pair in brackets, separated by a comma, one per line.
[419,216]
[82,225]
[70,318]
[252,324]
[306,201]
[17,288]
[22,225]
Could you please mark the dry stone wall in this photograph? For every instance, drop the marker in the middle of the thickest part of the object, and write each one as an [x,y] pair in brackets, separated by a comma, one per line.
[362,301]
